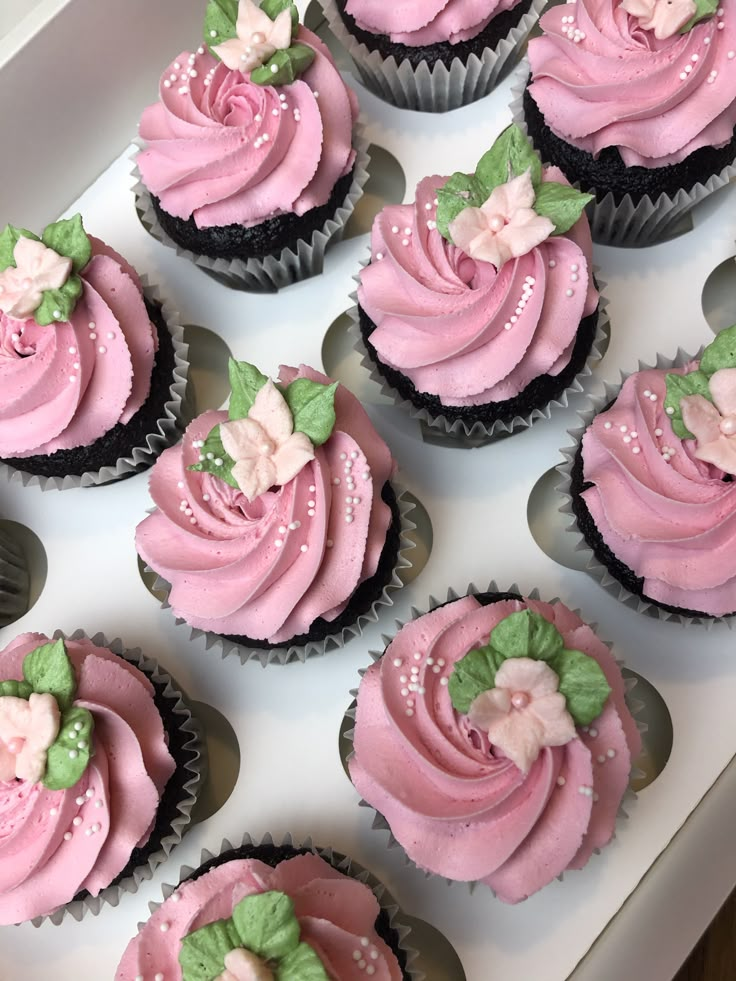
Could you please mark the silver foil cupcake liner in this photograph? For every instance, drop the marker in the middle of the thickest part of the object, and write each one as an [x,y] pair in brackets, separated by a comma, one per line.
[338,861]
[459,432]
[436,89]
[273,272]
[630,223]
[14,581]
[634,705]
[194,767]
[313,648]
[594,568]
[168,428]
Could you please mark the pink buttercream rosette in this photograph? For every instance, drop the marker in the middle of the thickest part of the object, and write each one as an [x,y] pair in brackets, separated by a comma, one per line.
[185,784]
[341,863]
[594,568]
[526,869]
[440,88]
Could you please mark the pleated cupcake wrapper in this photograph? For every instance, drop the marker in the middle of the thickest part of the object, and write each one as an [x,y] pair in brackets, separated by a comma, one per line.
[631,223]
[313,648]
[194,767]
[168,428]
[634,705]
[338,861]
[594,568]
[273,272]
[439,88]
[460,432]
[14,581]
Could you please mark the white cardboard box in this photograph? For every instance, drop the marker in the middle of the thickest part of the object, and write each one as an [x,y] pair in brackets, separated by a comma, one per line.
[74,77]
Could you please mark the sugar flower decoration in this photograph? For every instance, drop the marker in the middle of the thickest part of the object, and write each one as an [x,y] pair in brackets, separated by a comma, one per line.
[524,712]
[664,17]
[242,965]
[713,424]
[264,446]
[37,268]
[258,38]
[27,730]
[505,226]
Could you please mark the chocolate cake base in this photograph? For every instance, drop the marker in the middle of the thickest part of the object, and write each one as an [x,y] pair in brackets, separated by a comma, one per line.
[537,393]
[616,568]
[608,172]
[122,439]
[496,30]
[267,239]
[362,599]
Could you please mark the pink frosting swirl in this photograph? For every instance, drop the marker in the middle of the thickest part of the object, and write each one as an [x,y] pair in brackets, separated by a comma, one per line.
[336,916]
[67,384]
[53,844]
[429,22]
[668,516]
[457,809]
[657,101]
[458,328]
[224,150]
[266,570]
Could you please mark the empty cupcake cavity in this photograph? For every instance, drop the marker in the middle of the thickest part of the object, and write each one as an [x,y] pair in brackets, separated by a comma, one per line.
[209,386]
[719,296]
[549,527]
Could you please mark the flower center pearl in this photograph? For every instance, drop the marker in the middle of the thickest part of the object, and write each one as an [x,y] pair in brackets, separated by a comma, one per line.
[496,223]
[15,745]
[728,425]
[520,699]
[257,38]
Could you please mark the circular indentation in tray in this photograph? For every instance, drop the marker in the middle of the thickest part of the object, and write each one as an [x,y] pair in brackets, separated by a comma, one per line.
[386,184]
[223,754]
[26,585]
[341,360]
[549,527]
[315,20]
[648,707]
[209,384]
[437,958]
[422,536]
[148,578]
[719,296]
[344,742]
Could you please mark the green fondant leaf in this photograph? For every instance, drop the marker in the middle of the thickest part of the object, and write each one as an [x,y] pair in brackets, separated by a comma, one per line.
[472,675]
[583,684]
[704,8]
[18,689]
[267,925]
[68,238]
[61,302]
[720,353]
[8,239]
[285,66]
[219,21]
[527,634]
[562,204]
[68,756]
[679,386]
[301,964]
[461,191]
[216,460]
[510,156]
[48,669]
[274,7]
[246,381]
[203,952]
[313,408]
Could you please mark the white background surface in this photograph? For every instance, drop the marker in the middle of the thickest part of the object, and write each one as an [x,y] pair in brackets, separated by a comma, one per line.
[287,719]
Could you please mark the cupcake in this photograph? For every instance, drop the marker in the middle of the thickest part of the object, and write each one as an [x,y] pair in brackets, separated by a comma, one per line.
[14,580]
[273,911]
[433,55]
[635,101]
[652,484]
[478,306]
[250,164]
[494,739]
[92,370]
[276,525]
[98,767]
